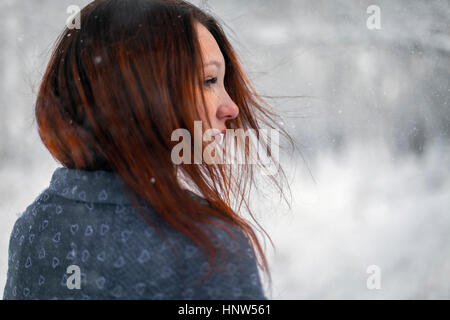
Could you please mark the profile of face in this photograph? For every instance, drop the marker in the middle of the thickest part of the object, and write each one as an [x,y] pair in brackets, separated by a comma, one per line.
[219,108]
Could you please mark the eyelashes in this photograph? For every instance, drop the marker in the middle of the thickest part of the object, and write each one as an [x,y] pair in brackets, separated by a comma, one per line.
[211,81]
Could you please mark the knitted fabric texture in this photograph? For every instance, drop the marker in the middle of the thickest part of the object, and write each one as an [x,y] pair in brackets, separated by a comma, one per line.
[85,218]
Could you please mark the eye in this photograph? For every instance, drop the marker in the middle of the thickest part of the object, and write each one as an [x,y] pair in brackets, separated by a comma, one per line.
[210,81]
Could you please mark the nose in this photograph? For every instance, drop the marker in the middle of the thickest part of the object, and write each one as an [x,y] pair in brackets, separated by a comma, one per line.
[228,110]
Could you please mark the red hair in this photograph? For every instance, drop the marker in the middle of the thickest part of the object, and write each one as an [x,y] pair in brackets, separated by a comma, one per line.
[115,90]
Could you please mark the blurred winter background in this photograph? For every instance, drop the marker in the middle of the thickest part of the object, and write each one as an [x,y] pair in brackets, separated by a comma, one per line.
[371,178]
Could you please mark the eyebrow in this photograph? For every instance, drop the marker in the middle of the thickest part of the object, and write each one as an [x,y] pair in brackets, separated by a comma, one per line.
[213,62]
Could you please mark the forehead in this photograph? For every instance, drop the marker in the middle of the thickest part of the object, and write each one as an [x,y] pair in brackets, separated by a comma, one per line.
[209,47]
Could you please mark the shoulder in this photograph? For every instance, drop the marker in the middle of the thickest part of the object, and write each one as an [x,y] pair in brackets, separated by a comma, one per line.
[120,255]
[234,276]
[113,247]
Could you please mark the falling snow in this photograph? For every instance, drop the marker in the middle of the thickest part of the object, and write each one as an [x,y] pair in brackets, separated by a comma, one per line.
[97,60]
[370,181]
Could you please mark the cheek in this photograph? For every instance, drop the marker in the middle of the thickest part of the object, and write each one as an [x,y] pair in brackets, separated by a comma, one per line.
[209,110]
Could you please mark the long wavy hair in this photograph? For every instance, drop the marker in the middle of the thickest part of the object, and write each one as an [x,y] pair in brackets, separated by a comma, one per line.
[114,91]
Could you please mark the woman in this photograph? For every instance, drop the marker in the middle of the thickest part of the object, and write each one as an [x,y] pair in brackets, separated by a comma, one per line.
[118,220]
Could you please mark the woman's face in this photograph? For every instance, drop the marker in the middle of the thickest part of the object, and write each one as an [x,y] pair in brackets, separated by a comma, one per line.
[219,106]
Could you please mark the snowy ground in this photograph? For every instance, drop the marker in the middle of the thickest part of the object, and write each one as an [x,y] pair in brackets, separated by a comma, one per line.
[364,209]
